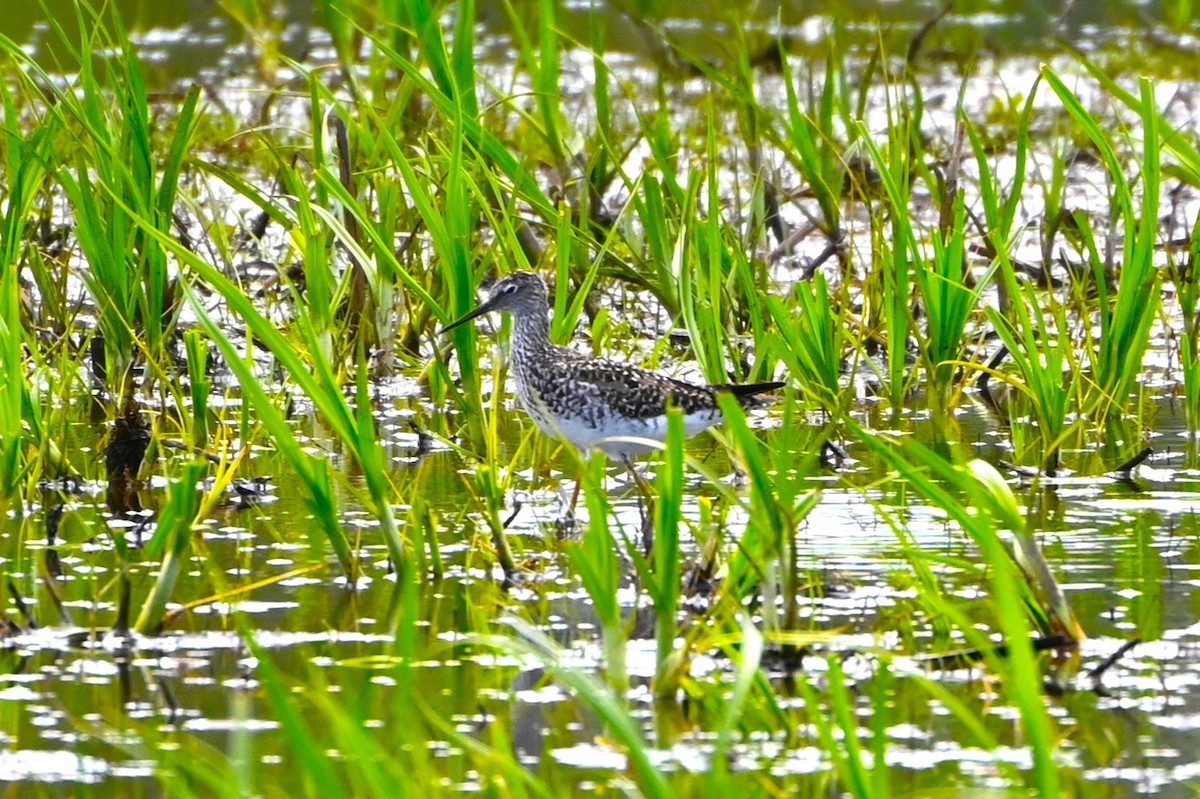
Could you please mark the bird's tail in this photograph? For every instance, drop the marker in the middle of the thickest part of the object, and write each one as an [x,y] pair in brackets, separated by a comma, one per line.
[747,393]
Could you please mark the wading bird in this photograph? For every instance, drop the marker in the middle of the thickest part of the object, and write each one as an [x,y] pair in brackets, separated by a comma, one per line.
[595,403]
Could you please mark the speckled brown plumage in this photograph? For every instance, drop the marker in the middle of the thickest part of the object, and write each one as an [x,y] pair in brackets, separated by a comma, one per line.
[590,401]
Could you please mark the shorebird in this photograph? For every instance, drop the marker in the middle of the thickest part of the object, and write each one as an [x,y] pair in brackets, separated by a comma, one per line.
[595,403]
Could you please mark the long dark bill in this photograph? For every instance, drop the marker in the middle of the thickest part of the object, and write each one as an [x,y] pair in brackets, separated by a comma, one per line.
[462,320]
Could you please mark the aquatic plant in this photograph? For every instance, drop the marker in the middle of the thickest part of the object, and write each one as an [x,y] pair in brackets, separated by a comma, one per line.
[25,159]
[812,343]
[111,181]
[1187,286]
[888,289]
[594,560]
[1116,358]
[947,303]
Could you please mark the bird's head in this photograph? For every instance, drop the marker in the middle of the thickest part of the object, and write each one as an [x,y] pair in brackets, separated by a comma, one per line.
[518,293]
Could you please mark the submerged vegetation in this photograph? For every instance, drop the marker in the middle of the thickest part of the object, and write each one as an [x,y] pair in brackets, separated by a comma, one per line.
[207,291]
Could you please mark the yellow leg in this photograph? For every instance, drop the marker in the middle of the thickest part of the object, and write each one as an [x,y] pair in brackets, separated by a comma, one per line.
[646,503]
[575,496]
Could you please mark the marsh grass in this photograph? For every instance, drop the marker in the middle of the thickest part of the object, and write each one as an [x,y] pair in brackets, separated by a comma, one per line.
[665,588]
[893,248]
[111,182]
[416,178]
[25,158]
[811,343]
[595,562]
[1184,278]
[1126,318]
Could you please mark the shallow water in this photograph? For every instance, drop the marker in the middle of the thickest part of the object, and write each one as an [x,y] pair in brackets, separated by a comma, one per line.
[207,41]
[1126,553]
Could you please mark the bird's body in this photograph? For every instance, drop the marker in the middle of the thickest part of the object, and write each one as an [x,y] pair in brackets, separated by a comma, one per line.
[595,403]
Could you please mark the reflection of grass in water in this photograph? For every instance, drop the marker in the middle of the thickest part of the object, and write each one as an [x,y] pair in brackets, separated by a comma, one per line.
[441,186]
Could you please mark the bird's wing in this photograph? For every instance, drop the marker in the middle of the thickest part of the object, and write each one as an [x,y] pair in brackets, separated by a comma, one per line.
[639,394]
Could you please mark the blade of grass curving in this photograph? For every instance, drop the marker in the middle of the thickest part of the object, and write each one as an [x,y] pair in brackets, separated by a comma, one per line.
[480,139]
[811,147]
[1011,600]
[602,701]
[25,160]
[307,752]
[1125,325]
[984,490]
[1027,555]
[1023,678]
[315,378]
[312,472]
[1177,142]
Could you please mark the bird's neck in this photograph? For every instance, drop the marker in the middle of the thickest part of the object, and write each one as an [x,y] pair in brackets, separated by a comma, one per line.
[531,334]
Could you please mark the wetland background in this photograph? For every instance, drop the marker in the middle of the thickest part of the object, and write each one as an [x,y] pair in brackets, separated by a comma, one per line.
[267,534]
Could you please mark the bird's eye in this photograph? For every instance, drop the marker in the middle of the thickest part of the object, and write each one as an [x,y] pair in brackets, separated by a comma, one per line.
[511,288]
